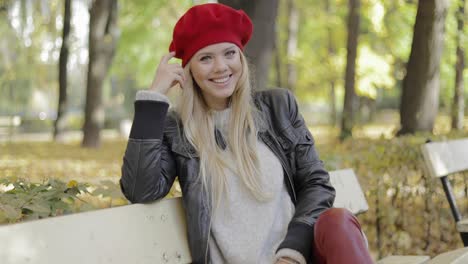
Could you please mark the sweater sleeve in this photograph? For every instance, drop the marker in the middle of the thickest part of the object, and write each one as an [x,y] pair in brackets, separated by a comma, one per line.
[151,96]
[291,253]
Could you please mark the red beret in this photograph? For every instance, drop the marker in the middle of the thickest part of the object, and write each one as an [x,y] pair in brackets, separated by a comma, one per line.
[207,24]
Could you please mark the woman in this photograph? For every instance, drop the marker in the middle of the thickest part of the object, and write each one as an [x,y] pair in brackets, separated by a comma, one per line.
[254,189]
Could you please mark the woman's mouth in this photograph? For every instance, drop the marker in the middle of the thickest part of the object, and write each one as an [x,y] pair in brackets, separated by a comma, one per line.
[222,80]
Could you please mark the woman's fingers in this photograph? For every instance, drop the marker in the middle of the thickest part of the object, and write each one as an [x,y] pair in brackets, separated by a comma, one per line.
[168,74]
[176,68]
[179,79]
[180,72]
[165,59]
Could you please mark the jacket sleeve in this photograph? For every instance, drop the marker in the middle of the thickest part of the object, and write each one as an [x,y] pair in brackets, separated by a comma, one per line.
[148,169]
[314,192]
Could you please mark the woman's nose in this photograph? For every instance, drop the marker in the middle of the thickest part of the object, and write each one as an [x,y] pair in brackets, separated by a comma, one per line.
[220,65]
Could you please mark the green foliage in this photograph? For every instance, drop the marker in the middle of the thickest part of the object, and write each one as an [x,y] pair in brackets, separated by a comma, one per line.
[26,37]
[146,34]
[24,200]
[384,45]
[447,67]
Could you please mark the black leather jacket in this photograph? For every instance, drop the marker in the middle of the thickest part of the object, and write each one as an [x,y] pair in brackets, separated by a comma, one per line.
[156,154]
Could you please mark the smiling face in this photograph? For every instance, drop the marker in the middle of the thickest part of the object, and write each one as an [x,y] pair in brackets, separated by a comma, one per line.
[216,69]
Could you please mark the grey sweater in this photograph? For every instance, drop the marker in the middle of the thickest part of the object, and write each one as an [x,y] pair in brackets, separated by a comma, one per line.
[243,229]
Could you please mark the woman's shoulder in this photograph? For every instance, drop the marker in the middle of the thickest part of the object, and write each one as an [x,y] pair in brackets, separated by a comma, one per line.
[276,98]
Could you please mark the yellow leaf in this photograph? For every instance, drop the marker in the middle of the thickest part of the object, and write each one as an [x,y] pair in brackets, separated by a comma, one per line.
[72,184]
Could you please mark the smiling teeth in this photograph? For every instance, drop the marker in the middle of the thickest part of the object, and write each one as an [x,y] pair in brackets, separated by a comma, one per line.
[221,80]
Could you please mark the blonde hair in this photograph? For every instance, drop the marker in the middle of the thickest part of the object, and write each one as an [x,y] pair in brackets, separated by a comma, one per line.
[198,122]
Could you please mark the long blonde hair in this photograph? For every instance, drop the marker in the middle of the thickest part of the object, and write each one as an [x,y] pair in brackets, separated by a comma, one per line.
[199,129]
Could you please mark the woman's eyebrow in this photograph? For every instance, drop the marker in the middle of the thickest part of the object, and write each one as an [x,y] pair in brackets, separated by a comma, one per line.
[204,54]
[228,48]
[211,53]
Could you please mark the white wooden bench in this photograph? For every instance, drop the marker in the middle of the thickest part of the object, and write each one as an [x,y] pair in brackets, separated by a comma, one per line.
[443,159]
[458,256]
[138,233]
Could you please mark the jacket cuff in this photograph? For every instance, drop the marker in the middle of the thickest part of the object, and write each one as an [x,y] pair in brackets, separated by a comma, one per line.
[148,122]
[300,237]
[291,253]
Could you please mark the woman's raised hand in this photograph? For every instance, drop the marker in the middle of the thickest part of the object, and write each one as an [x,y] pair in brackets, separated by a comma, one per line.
[167,75]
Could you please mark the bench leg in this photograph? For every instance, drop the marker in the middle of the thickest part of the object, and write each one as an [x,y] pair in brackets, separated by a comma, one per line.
[464,237]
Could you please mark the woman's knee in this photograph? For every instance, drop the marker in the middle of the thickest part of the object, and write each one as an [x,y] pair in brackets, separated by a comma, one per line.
[339,239]
[335,219]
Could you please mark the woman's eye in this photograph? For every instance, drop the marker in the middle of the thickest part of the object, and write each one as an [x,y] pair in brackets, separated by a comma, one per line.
[231,53]
[205,58]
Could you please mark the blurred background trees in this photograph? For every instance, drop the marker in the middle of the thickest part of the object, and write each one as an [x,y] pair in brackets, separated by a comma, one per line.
[59,124]
[421,85]
[458,107]
[357,61]
[350,72]
[103,36]
[260,47]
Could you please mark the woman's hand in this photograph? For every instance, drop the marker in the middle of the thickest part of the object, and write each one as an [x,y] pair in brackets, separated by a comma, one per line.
[167,75]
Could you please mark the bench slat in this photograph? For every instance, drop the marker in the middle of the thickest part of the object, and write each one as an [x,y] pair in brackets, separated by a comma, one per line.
[138,233]
[444,158]
[458,256]
[462,226]
[404,260]
[349,194]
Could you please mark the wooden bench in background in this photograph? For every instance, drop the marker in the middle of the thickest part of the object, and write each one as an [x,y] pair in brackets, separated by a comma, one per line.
[8,125]
[443,159]
[137,233]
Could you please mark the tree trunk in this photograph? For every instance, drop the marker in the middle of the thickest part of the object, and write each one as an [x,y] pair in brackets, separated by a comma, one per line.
[277,50]
[333,111]
[4,6]
[102,42]
[458,107]
[293,27]
[420,95]
[331,52]
[350,75]
[260,48]
[59,124]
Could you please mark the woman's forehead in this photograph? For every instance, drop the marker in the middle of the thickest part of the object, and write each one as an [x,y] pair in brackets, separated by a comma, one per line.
[216,48]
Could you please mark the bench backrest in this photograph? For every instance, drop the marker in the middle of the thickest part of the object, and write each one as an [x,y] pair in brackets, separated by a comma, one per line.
[349,194]
[444,158]
[138,233]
